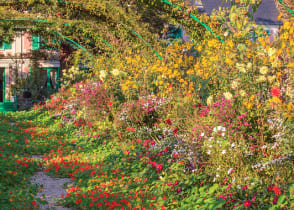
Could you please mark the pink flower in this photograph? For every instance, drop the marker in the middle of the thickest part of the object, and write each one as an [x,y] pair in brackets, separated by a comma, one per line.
[179,190]
[247,203]
[275,200]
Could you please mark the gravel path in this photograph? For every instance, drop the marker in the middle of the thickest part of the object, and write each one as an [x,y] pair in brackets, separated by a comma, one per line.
[52,188]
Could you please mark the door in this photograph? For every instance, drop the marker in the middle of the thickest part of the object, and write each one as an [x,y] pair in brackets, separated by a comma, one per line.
[2,85]
[51,78]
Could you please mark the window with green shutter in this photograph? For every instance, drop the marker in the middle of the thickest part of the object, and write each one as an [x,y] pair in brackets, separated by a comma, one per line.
[5,46]
[36,42]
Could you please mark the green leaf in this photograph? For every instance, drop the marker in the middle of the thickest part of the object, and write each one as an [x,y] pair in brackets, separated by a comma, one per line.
[213,188]
[281,200]
[273,207]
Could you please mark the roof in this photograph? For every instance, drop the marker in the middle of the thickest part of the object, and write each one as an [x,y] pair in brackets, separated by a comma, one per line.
[266,14]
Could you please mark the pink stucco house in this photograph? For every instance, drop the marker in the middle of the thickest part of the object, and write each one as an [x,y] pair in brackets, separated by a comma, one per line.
[16,60]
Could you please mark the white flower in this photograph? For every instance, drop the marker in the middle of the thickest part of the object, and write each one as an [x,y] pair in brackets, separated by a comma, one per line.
[241,67]
[261,79]
[230,170]
[210,138]
[209,100]
[271,78]
[224,152]
[263,70]
[271,51]
[235,84]
[115,72]
[234,179]
[208,152]
[228,95]
[103,74]
[233,145]
[243,93]
[202,134]
[221,128]
[249,65]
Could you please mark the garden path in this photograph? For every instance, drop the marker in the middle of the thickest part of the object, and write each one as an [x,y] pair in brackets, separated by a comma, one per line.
[52,188]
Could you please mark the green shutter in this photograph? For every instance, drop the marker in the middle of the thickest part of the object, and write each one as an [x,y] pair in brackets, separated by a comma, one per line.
[36,42]
[7,46]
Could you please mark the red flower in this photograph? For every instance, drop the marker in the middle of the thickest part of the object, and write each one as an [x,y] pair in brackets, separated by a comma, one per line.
[277,191]
[276,91]
[269,188]
[159,166]
[34,203]
[91,204]
[99,204]
[247,203]
[176,130]
[164,197]
[131,129]
[168,121]
[244,188]
[110,103]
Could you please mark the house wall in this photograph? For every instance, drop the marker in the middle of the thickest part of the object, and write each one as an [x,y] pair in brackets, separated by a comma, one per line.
[273,30]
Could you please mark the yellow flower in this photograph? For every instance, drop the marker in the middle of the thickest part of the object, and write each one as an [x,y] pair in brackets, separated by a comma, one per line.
[261,79]
[275,99]
[228,95]
[248,105]
[290,106]
[263,70]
